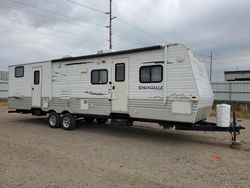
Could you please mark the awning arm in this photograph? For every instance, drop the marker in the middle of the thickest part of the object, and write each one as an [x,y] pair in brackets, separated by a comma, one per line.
[165,74]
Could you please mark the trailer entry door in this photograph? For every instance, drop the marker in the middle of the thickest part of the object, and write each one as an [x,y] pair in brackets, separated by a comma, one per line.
[36,87]
[120,85]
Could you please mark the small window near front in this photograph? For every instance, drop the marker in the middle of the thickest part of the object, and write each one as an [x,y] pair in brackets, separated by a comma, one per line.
[99,76]
[151,74]
[19,71]
[36,77]
[120,72]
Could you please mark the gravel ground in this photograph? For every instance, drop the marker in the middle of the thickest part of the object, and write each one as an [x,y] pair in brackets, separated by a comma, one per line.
[34,155]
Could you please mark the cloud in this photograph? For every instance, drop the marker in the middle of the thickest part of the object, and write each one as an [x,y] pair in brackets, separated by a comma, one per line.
[30,33]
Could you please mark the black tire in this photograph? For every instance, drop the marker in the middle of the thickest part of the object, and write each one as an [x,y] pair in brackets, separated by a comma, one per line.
[101,120]
[68,122]
[89,119]
[54,120]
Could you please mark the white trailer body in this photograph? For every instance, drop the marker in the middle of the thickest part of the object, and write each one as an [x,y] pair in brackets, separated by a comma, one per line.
[158,83]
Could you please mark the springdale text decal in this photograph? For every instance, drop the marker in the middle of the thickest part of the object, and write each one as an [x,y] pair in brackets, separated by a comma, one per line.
[150,87]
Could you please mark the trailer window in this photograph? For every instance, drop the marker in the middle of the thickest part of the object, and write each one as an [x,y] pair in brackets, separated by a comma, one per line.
[19,71]
[36,77]
[99,76]
[151,74]
[120,72]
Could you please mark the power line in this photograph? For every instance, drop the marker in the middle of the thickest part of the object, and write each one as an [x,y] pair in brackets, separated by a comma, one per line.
[219,62]
[202,55]
[122,45]
[43,16]
[52,12]
[49,28]
[86,6]
[110,22]
[42,33]
[47,47]
[140,18]
[20,29]
[93,9]
[139,29]
[25,23]
[119,37]
[100,11]
[132,39]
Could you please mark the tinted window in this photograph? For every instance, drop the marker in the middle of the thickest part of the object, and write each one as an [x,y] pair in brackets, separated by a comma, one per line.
[145,74]
[19,71]
[156,74]
[99,76]
[120,72]
[151,74]
[103,77]
[95,77]
[36,77]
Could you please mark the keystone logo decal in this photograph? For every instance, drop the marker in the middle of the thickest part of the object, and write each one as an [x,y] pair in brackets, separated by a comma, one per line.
[150,87]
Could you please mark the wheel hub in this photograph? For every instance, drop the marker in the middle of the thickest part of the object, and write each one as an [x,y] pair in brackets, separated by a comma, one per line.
[66,122]
[52,120]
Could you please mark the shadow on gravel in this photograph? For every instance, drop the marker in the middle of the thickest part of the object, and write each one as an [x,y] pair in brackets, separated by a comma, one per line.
[145,133]
[153,135]
[41,121]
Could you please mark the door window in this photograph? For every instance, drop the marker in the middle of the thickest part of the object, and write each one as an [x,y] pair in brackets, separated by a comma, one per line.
[120,72]
[36,77]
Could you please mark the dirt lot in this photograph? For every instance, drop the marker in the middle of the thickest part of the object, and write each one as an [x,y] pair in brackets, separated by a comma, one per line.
[34,155]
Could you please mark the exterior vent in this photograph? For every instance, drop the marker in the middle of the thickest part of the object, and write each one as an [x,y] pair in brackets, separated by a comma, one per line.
[65,94]
[66,56]
[104,51]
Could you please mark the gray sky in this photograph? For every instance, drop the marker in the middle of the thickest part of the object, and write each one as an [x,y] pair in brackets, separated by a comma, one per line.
[35,30]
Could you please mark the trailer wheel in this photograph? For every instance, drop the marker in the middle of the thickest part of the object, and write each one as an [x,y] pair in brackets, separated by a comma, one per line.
[101,120]
[68,122]
[54,120]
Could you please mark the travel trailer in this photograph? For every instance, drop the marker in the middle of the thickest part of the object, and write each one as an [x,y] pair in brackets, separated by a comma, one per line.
[165,84]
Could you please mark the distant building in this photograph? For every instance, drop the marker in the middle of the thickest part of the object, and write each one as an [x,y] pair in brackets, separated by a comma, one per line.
[243,75]
[4,75]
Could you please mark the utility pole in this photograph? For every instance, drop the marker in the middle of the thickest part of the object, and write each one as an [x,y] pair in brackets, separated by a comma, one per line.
[110,24]
[211,65]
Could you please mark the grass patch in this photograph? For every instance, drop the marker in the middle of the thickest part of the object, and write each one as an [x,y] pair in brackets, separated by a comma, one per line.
[242,109]
[3,102]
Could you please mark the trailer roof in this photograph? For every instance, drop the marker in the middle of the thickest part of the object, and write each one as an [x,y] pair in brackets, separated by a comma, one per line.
[109,53]
[237,72]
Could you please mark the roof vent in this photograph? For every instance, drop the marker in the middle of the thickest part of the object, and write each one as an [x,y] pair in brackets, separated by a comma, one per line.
[104,51]
[66,56]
